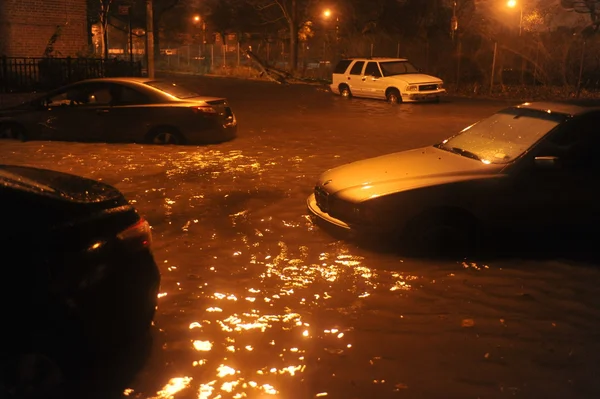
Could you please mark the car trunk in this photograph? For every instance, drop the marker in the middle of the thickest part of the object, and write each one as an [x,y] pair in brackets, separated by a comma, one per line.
[223,109]
[40,203]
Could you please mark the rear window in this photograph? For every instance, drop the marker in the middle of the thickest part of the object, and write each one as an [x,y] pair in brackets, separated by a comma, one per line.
[173,89]
[342,66]
[357,68]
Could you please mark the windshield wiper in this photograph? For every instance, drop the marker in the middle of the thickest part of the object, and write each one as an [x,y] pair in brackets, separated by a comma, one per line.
[460,151]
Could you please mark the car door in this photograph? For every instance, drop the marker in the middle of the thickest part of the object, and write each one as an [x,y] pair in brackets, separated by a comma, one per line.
[556,187]
[126,118]
[371,84]
[355,78]
[74,113]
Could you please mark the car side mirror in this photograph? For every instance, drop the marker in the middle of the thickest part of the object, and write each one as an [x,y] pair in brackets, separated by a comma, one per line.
[546,162]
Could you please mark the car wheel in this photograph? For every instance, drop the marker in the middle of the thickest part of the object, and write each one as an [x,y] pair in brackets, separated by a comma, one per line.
[12,131]
[393,96]
[31,375]
[444,233]
[345,91]
[165,136]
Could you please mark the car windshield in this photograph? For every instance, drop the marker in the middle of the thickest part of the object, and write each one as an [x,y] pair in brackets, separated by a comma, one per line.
[173,89]
[391,68]
[503,137]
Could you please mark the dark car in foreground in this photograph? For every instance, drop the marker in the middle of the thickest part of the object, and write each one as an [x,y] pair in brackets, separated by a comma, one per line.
[79,276]
[530,168]
[121,110]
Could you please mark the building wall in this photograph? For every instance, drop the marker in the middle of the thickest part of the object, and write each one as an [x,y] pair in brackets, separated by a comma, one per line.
[27,25]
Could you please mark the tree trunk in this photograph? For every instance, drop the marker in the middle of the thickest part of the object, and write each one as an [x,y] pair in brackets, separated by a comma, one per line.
[104,27]
[156,39]
[294,38]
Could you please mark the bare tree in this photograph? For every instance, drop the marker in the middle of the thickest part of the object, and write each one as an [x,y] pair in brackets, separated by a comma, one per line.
[103,16]
[290,11]
[591,7]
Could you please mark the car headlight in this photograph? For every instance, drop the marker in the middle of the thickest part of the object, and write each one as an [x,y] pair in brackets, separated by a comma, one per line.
[412,88]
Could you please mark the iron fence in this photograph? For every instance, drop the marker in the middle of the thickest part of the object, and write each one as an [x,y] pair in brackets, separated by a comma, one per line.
[42,74]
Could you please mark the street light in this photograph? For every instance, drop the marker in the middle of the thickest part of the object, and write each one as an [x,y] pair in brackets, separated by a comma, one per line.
[514,4]
[197,18]
[327,13]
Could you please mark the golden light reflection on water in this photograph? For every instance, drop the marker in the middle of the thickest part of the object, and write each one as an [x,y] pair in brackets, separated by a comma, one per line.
[202,346]
[174,386]
[235,327]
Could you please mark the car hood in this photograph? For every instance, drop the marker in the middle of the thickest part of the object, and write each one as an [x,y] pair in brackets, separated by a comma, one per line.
[414,78]
[403,171]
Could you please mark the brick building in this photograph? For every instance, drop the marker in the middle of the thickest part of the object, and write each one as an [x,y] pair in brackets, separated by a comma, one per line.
[27,25]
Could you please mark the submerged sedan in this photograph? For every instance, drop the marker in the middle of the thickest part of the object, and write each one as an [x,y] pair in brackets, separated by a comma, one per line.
[531,167]
[121,110]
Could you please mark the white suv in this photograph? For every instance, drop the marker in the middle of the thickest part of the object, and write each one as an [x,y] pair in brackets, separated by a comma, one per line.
[393,79]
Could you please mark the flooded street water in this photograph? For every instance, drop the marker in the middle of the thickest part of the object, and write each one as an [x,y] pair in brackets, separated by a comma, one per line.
[256,302]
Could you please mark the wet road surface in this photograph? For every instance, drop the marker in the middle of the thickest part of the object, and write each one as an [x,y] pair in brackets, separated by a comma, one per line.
[256,302]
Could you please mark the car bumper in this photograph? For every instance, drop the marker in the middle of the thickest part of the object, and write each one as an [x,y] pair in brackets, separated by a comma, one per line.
[423,96]
[214,135]
[339,227]
[334,89]
[123,305]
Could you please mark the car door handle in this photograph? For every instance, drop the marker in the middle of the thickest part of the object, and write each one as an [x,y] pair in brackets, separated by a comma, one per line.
[102,111]
[363,79]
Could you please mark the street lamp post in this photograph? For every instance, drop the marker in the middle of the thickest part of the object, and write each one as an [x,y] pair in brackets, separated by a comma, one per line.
[327,14]
[513,4]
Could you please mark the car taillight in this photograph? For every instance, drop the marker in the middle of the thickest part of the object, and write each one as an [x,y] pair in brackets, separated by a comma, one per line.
[204,110]
[137,236]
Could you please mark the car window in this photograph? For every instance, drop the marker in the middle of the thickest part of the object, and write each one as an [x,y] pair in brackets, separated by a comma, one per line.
[372,69]
[342,66]
[129,96]
[391,68]
[586,127]
[82,95]
[101,95]
[57,100]
[576,144]
[357,68]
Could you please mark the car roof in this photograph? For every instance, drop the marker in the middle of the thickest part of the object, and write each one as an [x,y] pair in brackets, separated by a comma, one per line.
[384,59]
[567,107]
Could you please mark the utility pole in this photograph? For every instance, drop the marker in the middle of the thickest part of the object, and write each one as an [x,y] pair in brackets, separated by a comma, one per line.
[294,37]
[150,39]
[130,38]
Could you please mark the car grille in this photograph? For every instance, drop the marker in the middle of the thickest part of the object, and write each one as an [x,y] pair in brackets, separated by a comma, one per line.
[428,87]
[335,207]
[322,198]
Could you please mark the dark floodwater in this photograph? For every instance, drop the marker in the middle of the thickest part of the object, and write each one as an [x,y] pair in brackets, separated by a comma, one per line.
[256,302]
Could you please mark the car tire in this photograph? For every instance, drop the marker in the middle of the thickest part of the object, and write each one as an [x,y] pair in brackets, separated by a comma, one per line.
[393,96]
[165,136]
[442,233]
[12,131]
[345,91]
